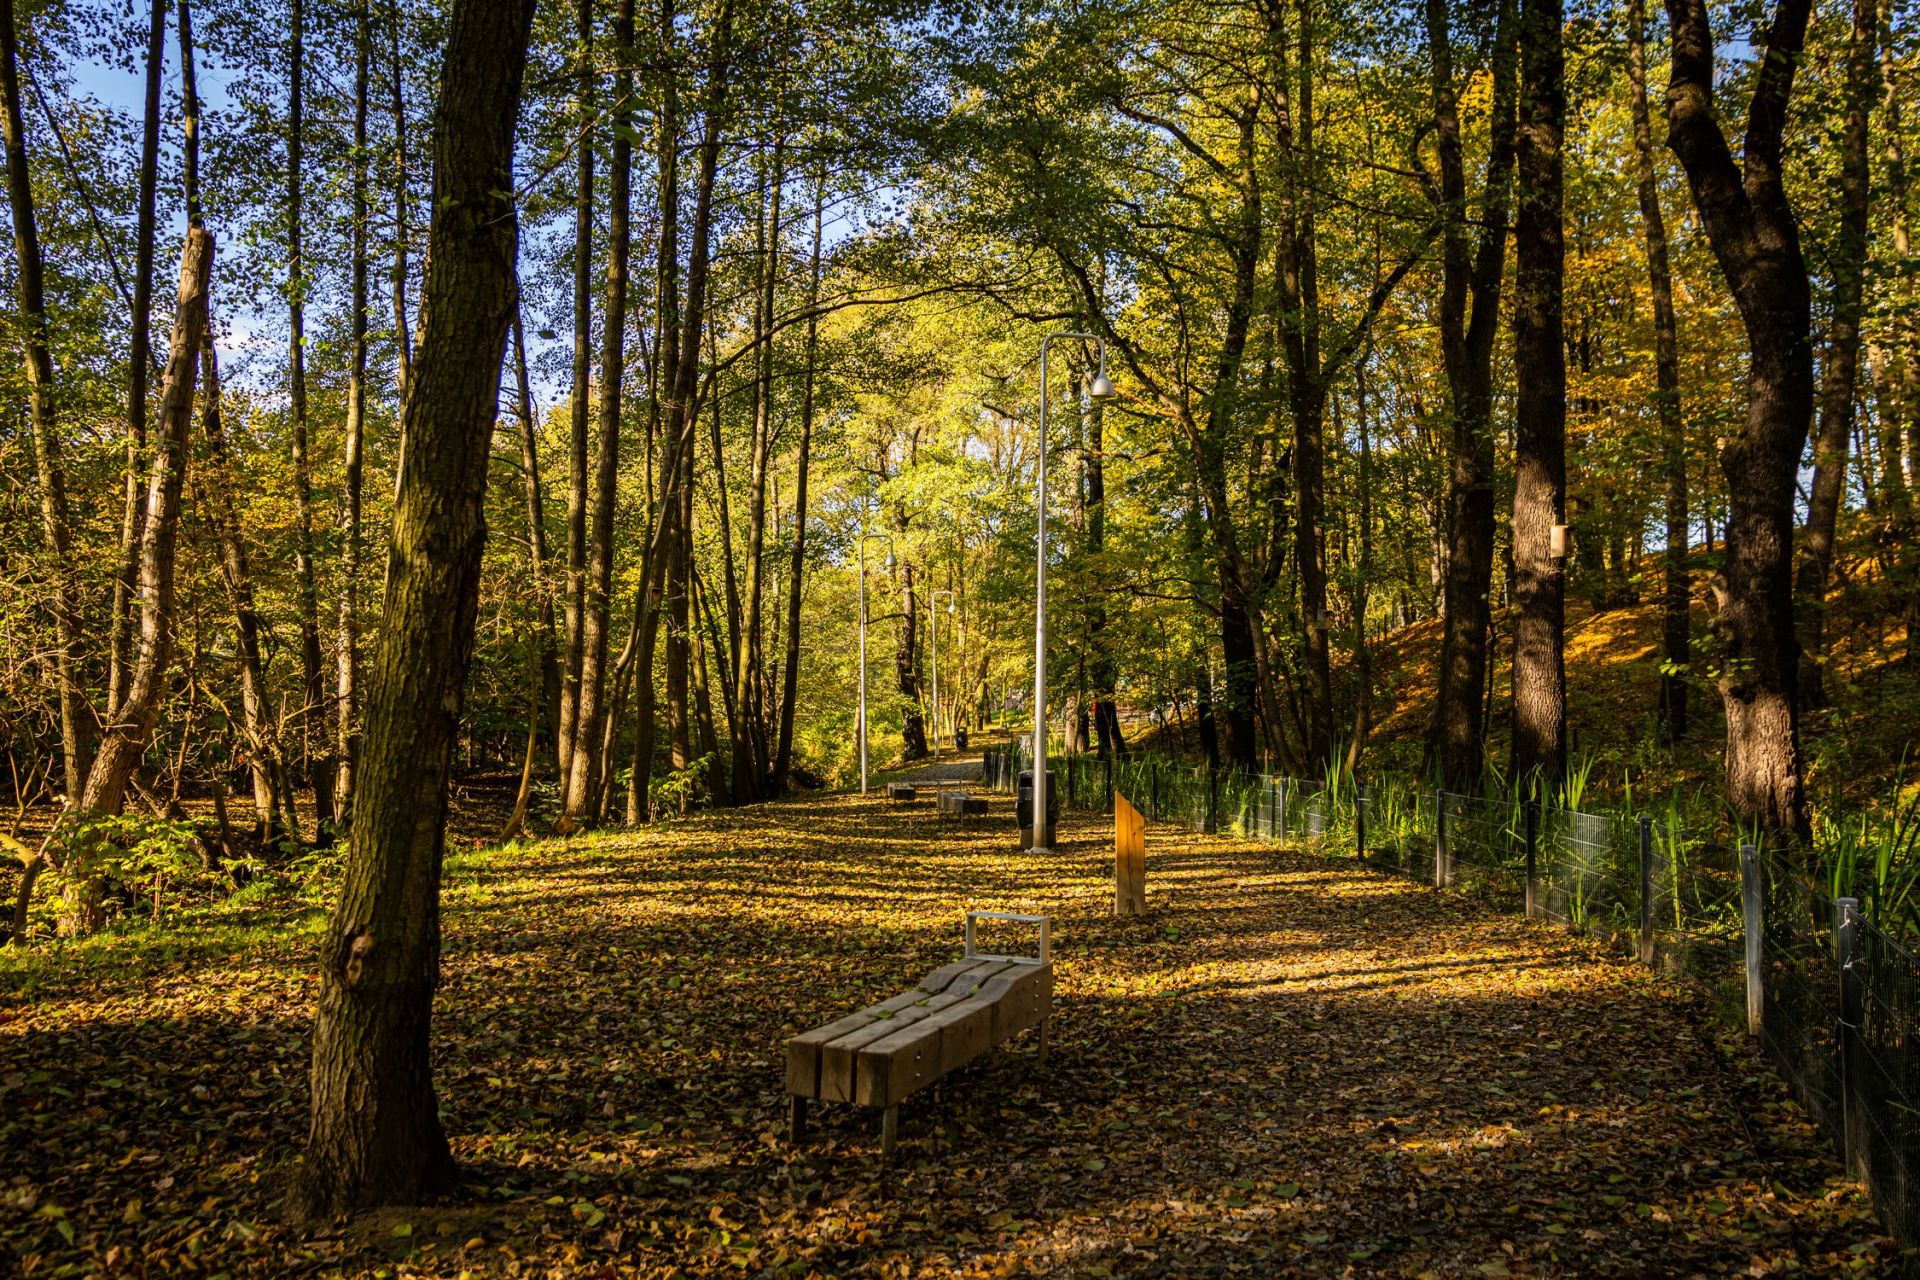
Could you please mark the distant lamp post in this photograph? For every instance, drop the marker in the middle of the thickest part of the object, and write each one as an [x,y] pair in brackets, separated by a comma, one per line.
[1099,389]
[933,628]
[888,539]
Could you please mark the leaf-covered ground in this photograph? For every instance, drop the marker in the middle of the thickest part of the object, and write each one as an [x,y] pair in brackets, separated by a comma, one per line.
[1291,1067]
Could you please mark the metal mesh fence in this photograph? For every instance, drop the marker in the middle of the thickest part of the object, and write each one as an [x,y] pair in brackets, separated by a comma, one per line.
[1834,1000]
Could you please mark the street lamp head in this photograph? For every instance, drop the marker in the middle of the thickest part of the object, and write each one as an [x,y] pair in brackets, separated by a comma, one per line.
[1101,388]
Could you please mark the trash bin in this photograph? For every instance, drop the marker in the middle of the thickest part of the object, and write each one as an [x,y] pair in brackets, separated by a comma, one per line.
[960,739]
[1023,809]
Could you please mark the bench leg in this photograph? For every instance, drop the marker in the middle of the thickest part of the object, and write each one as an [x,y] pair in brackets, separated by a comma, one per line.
[889,1130]
[796,1120]
[1043,1039]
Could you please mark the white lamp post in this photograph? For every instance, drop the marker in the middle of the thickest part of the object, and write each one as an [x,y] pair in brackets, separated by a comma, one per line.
[864,535]
[933,628]
[1098,389]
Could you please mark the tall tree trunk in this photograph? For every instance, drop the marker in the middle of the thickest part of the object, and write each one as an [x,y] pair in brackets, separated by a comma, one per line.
[375,1135]
[402,339]
[750,671]
[1847,263]
[539,558]
[1906,337]
[1105,672]
[1540,417]
[313,714]
[679,615]
[139,355]
[680,361]
[1471,274]
[790,672]
[347,635]
[1756,239]
[573,606]
[126,737]
[583,765]
[1299,272]
[1677,595]
[906,667]
[215,486]
[56,521]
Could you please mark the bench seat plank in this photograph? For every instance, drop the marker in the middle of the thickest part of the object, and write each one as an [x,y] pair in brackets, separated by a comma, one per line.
[882,1054]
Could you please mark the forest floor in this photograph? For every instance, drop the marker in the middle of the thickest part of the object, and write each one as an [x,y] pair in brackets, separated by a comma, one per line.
[1291,1066]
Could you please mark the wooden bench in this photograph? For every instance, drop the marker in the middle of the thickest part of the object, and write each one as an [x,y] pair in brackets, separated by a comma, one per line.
[958,804]
[901,793]
[885,1052]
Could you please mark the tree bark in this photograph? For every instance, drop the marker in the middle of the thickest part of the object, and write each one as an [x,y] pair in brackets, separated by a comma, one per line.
[1471,274]
[402,339]
[56,521]
[313,713]
[1676,625]
[139,356]
[1540,419]
[127,735]
[790,673]
[1751,227]
[573,606]
[539,558]
[215,487]
[751,766]
[680,361]
[1847,262]
[906,667]
[583,763]
[375,1135]
[1906,336]
[347,634]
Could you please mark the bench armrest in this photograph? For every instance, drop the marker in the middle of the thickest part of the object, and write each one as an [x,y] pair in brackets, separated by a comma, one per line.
[1046,950]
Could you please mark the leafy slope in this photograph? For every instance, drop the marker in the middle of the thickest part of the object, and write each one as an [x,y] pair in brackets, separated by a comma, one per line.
[1290,1067]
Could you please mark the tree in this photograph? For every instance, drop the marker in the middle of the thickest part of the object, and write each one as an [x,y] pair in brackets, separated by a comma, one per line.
[1540,426]
[56,520]
[1839,371]
[1469,274]
[1676,625]
[1755,238]
[375,1135]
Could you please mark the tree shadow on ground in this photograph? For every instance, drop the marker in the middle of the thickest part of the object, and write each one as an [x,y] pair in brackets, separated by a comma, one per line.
[1294,1066]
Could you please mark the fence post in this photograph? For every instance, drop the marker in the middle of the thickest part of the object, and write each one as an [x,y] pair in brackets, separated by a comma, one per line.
[1153,788]
[1280,809]
[1441,871]
[1846,930]
[1110,781]
[1646,891]
[1359,819]
[1211,824]
[1533,857]
[1754,924]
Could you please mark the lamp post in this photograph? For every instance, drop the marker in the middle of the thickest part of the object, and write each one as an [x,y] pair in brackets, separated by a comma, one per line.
[888,539]
[1099,389]
[933,642]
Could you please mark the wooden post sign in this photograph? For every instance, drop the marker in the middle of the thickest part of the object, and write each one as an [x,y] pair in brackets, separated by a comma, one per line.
[1129,859]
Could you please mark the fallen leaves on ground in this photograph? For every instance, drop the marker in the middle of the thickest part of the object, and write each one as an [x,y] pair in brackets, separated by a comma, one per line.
[1291,1066]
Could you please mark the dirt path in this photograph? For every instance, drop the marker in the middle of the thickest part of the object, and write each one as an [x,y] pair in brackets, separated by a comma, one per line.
[1291,1067]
